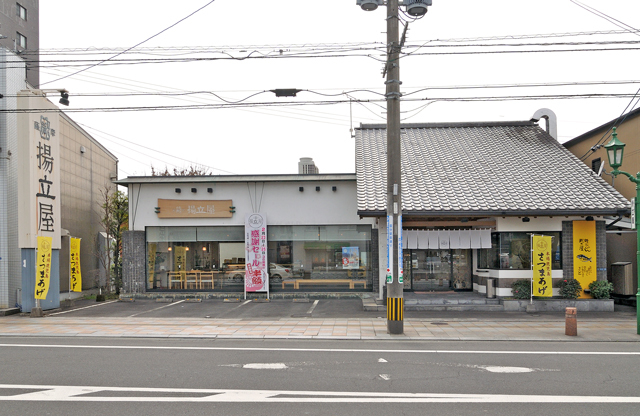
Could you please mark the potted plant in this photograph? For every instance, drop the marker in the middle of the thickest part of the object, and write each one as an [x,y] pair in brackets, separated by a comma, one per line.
[601,289]
[521,289]
[569,288]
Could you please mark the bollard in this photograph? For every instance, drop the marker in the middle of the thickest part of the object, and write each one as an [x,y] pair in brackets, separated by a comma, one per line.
[571,322]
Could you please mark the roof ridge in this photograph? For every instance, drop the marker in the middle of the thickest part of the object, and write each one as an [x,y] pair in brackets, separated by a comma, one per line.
[452,124]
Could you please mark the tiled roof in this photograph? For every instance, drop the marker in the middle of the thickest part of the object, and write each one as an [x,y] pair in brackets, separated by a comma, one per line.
[481,168]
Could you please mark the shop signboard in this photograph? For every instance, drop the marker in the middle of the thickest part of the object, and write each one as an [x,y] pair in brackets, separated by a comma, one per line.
[75,276]
[584,254]
[38,170]
[256,265]
[542,266]
[43,267]
[183,208]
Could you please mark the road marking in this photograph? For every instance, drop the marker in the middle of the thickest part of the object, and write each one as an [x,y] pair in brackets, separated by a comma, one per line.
[498,369]
[158,308]
[385,377]
[85,307]
[310,311]
[331,350]
[266,366]
[49,393]
[382,360]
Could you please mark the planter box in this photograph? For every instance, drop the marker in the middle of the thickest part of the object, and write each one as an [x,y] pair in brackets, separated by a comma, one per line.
[557,305]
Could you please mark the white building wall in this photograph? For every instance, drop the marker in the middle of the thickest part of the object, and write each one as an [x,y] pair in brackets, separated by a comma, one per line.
[281,202]
[12,80]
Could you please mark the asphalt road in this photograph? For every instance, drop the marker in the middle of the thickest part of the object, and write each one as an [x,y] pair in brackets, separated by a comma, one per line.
[87,376]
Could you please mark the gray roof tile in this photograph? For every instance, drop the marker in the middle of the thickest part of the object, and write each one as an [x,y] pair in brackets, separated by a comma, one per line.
[484,168]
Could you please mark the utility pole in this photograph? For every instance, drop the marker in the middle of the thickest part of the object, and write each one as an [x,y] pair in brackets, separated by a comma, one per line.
[395,285]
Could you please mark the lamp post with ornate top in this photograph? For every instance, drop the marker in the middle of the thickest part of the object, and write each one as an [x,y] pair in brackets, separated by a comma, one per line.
[615,151]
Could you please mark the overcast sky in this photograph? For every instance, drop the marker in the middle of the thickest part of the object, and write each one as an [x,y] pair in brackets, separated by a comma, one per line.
[258,139]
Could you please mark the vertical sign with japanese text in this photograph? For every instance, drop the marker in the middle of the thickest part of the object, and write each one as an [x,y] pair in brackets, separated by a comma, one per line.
[180,258]
[256,264]
[151,262]
[584,254]
[75,277]
[39,170]
[43,267]
[542,285]
[389,249]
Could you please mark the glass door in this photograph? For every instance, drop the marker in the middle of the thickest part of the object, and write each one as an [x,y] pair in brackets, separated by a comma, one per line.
[462,269]
[431,270]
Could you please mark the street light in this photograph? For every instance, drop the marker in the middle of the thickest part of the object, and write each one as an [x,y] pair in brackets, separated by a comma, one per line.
[615,151]
[394,275]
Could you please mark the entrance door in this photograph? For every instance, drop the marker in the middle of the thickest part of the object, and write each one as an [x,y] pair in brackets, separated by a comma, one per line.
[431,270]
[462,269]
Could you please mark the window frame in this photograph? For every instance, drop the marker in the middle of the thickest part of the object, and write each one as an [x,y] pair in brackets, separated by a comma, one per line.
[19,38]
[21,11]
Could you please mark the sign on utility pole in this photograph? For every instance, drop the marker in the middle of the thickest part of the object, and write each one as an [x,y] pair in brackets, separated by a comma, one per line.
[395,300]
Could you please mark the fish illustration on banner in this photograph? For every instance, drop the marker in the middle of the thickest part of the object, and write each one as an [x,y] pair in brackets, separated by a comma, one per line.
[584,254]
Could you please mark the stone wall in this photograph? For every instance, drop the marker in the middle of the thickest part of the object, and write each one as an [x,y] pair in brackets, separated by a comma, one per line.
[134,262]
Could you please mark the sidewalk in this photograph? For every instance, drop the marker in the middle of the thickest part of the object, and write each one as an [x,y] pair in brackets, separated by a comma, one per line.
[473,329]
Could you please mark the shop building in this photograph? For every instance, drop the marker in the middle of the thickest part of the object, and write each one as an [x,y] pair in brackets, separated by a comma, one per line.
[473,196]
[187,234]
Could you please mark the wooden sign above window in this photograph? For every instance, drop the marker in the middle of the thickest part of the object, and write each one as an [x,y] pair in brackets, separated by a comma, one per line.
[181,208]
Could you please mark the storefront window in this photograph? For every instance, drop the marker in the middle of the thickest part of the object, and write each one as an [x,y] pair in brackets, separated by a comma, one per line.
[300,258]
[512,251]
[331,257]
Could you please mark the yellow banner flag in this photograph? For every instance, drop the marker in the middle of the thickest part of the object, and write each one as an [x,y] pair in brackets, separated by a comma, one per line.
[151,262]
[542,266]
[43,267]
[75,277]
[584,254]
[180,262]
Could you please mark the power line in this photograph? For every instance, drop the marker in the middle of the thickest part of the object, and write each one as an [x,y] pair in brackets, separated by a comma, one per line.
[318,103]
[125,51]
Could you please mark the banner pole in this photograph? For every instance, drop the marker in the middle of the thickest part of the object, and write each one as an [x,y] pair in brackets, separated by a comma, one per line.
[69,298]
[531,262]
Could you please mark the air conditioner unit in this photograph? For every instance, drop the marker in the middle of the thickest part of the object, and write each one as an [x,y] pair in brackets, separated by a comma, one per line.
[622,276]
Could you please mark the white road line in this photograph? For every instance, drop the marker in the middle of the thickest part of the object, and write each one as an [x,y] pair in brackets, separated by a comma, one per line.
[48,393]
[354,350]
[158,308]
[79,309]
[310,311]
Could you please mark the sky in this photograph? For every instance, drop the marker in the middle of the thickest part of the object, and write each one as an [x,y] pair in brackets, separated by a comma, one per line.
[334,52]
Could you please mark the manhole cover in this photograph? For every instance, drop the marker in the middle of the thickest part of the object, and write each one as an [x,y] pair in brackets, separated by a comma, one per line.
[439,323]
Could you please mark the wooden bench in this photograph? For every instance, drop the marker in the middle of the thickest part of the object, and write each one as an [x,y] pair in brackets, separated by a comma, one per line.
[296,283]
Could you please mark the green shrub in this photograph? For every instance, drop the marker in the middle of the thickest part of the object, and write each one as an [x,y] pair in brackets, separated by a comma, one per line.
[521,289]
[569,288]
[601,289]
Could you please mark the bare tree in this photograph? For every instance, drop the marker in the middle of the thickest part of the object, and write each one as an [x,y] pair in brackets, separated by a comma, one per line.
[114,220]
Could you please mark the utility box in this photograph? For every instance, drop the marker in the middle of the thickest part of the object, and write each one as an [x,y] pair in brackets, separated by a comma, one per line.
[622,278]
[491,288]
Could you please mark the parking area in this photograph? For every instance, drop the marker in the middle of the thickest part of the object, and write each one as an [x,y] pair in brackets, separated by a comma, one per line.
[218,309]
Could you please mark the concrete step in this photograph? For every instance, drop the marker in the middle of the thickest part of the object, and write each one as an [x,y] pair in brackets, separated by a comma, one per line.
[459,308]
[9,311]
[446,301]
